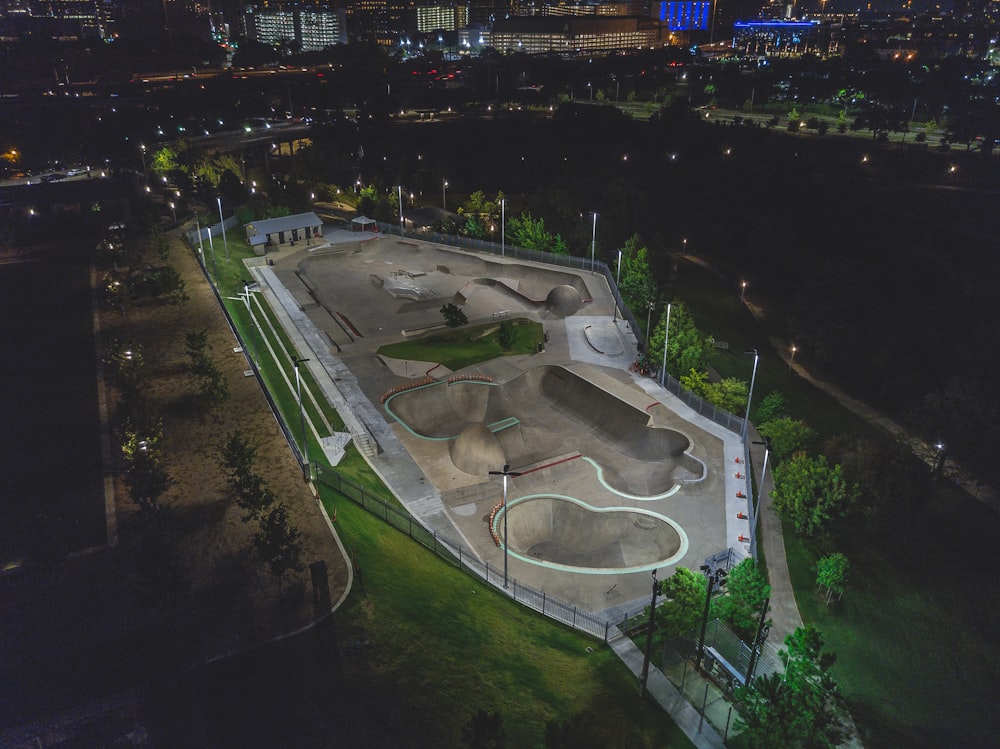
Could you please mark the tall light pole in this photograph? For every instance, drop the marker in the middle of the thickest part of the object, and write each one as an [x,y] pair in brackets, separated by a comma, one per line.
[444,195]
[743,290]
[618,278]
[649,321]
[755,509]
[714,578]
[791,359]
[400,188]
[173,211]
[503,227]
[142,150]
[649,636]
[666,340]
[253,332]
[223,222]
[306,473]
[211,247]
[593,242]
[746,416]
[506,473]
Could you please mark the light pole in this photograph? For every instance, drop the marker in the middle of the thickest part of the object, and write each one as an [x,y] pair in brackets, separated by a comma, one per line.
[142,150]
[503,226]
[684,246]
[444,194]
[253,332]
[755,508]
[649,321]
[306,473]
[211,248]
[618,278]
[791,359]
[506,473]
[714,578]
[593,242]
[223,222]
[743,290]
[746,416]
[649,636]
[400,188]
[666,340]
[173,211]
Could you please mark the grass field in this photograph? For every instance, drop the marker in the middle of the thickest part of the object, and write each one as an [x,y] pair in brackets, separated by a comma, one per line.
[465,346]
[917,659]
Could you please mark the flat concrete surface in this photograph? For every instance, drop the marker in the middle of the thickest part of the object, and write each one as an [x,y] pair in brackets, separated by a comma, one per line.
[601,437]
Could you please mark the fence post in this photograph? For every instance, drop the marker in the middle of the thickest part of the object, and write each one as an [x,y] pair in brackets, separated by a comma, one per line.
[704,702]
[460,556]
[409,521]
[543,602]
[574,617]
[435,542]
[606,623]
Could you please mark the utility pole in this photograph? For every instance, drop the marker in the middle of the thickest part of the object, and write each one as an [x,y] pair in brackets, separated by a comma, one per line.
[649,636]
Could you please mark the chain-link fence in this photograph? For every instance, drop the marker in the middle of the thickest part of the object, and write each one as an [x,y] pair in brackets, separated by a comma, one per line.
[461,557]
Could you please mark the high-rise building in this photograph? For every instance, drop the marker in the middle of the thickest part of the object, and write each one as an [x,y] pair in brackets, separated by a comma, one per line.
[303,28]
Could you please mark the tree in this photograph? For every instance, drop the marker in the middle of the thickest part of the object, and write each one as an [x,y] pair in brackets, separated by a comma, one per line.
[746,592]
[484,731]
[687,347]
[799,708]
[145,476]
[164,162]
[506,335]
[772,406]
[729,394]
[788,436]
[453,315]
[809,493]
[685,598]
[278,542]
[695,381]
[832,572]
[637,285]
[531,234]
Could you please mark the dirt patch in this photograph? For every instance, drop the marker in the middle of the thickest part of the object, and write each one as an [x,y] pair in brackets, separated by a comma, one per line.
[98,622]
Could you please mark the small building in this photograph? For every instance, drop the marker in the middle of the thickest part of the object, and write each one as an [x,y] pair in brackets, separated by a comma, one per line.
[283,230]
[363,223]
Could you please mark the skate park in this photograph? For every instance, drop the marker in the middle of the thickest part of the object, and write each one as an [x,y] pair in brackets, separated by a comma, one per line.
[617,477]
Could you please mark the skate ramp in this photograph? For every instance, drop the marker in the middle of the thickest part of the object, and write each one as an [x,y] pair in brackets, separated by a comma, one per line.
[545,412]
[559,531]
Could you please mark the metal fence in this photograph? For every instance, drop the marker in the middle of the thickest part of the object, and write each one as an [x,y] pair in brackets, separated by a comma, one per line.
[462,558]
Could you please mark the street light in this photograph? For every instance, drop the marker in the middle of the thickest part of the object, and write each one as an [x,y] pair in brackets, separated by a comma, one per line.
[593,242]
[506,473]
[649,636]
[746,416]
[714,578]
[649,321]
[618,278]
[142,150]
[306,473]
[743,289]
[444,194]
[253,332]
[755,508]
[666,339]
[503,222]
[223,222]
[173,211]
[400,189]
[791,359]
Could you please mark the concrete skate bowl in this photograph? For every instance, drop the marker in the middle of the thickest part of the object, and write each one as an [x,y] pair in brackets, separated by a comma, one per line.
[557,531]
[544,413]
[560,301]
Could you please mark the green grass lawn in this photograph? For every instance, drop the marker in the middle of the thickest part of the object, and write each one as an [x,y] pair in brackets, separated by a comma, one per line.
[462,347]
[917,657]
[441,644]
